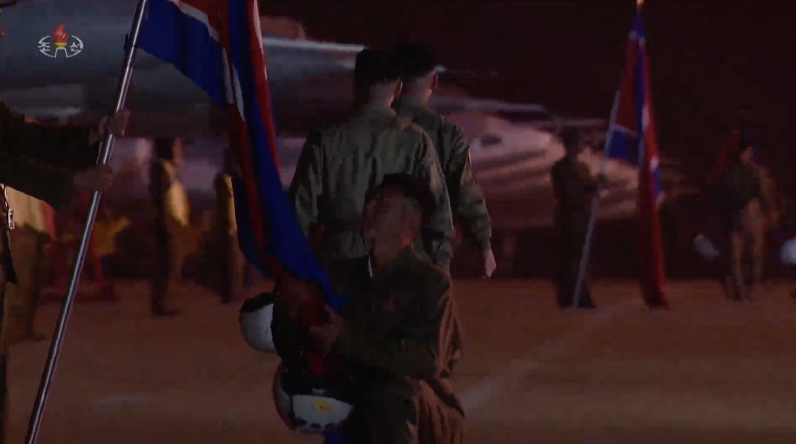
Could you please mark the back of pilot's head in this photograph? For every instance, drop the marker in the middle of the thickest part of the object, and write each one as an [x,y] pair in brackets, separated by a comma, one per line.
[418,62]
[376,70]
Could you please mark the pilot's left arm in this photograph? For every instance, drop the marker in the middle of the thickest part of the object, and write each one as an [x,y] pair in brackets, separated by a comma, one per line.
[467,197]
[307,185]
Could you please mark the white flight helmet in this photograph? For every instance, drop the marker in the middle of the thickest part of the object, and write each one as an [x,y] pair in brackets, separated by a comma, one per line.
[255,322]
[788,252]
[705,247]
[305,409]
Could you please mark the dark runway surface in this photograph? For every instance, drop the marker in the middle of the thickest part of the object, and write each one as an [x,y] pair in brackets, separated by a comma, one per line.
[708,371]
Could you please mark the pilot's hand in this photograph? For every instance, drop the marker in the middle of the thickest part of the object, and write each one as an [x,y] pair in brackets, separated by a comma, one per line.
[116,125]
[96,178]
[489,263]
[294,293]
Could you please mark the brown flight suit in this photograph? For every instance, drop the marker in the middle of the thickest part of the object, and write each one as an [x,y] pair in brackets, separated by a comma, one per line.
[341,163]
[231,260]
[400,343]
[172,230]
[39,161]
[574,187]
[466,196]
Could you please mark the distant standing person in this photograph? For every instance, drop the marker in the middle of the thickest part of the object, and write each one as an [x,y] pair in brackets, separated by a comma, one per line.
[225,229]
[468,204]
[742,206]
[171,218]
[574,188]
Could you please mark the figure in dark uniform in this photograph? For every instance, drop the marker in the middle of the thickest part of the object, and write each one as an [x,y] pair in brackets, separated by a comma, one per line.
[171,218]
[739,203]
[401,337]
[453,150]
[574,188]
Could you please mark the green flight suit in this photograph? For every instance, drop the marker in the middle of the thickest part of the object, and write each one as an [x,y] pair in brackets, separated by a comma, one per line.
[341,163]
[466,196]
[39,161]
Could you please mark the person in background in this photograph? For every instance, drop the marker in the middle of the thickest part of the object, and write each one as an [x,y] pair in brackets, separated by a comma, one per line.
[171,225]
[742,209]
[468,204]
[574,188]
[225,230]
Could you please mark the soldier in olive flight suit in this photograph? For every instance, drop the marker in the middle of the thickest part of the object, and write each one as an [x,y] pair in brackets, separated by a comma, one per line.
[400,338]
[341,162]
[467,199]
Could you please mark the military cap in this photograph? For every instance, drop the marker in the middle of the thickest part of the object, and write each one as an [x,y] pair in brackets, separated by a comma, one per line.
[376,67]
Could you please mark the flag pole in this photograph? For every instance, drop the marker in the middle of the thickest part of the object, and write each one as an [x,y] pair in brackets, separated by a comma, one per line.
[595,205]
[66,309]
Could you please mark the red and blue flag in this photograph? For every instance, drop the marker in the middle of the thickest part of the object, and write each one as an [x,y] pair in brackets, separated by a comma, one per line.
[631,138]
[218,45]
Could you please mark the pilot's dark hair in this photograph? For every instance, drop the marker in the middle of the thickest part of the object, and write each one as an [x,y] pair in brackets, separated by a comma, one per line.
[412,188]
[164,148]
[376,67]
[570,137]
[416,60]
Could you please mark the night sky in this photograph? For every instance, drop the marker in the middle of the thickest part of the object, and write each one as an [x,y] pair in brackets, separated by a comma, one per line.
[708,58]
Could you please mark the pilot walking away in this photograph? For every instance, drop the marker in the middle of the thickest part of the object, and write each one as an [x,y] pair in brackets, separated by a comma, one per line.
[339,163]
[468,204]
[574,188]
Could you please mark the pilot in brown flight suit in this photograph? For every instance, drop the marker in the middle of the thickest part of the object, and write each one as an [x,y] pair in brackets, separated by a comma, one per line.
[401,337]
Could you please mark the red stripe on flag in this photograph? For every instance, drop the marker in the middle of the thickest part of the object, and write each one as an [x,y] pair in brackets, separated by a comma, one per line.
[261,81]
[653,274]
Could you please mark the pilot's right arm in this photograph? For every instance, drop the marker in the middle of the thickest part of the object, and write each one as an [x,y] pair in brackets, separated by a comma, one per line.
[307,184]
[429,170]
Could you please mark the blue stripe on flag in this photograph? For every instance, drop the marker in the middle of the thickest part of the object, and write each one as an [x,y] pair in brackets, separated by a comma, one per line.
[185,42]
[285,240]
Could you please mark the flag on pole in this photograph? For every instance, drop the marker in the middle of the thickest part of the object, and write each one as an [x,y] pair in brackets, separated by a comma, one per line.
[218,45]
[631,137]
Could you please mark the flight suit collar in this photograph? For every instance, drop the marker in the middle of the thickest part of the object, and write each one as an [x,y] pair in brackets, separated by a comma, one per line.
[409,105]
[375,110]
[405,256]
